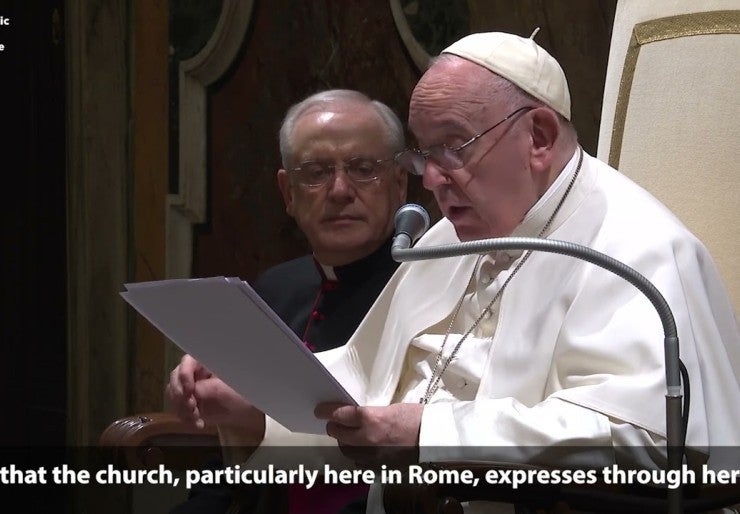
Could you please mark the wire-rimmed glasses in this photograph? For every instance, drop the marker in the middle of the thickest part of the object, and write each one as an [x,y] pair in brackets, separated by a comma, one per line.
[360,170]
[413,160]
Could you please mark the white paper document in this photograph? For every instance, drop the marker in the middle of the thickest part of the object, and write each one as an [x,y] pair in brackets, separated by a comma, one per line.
[226,326]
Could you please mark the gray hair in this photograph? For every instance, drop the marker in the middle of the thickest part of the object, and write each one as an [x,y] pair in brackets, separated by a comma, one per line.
[325,99]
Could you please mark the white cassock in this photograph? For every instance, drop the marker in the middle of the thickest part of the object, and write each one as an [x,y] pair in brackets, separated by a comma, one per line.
[572,354]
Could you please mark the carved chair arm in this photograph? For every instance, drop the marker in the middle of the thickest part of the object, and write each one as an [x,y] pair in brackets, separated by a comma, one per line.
[144,441]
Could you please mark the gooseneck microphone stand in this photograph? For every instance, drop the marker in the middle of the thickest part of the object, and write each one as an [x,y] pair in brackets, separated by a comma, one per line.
[674,427]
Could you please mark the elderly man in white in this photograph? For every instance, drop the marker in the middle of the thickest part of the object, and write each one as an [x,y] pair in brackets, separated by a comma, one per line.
[467,357]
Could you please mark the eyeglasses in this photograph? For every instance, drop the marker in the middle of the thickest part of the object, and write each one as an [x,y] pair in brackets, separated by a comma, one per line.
[360,170]
[413,160]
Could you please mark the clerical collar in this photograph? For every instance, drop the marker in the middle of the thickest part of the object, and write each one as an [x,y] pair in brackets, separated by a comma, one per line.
[327,272]
[359,269]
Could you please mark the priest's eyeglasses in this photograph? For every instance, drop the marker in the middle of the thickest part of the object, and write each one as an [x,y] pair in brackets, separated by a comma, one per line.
[413,160]
[359,170]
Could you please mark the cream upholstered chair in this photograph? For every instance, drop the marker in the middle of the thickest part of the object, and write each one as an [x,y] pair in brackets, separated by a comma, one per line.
[671,116]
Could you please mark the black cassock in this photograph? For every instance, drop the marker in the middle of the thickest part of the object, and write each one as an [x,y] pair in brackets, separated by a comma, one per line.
[325,311]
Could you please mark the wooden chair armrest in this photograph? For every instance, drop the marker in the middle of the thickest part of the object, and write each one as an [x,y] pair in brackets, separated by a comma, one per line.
[144,441]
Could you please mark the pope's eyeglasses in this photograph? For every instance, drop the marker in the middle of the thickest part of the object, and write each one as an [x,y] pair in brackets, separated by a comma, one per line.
[413,160]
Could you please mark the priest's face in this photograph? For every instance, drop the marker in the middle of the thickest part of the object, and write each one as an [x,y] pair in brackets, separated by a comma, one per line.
[491,192]
[345,216]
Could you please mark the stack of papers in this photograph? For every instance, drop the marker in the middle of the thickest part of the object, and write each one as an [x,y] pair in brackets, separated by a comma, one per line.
[227,327]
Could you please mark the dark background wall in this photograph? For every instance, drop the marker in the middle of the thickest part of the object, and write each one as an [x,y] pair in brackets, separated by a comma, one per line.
[33,340]
[295,48]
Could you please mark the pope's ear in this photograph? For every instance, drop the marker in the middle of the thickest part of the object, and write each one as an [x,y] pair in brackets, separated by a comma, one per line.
[286,190]
[545,128]
[545,131]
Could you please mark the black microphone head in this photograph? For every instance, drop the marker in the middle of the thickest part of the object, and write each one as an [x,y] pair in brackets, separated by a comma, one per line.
[412,220]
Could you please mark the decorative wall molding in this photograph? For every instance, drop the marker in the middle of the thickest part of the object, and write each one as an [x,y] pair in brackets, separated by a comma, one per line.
[416,51]
[188,206]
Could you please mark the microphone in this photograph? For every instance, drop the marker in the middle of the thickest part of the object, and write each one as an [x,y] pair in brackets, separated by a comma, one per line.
[412,221]
[675,412]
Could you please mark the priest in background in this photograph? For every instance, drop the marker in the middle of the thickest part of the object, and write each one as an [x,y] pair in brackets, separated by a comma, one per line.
[342,186]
